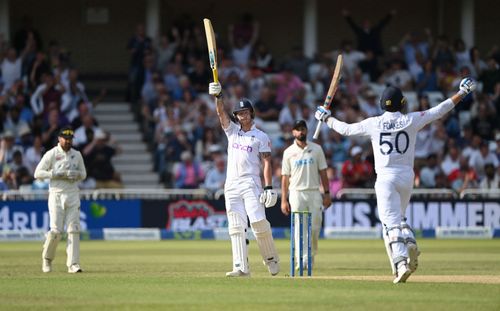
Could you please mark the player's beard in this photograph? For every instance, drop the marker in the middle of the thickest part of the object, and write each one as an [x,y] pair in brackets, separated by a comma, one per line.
[302,137]
[66,146]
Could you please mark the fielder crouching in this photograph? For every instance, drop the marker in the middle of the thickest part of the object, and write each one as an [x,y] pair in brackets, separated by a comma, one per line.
[249,151]
[64,166]
[393,137]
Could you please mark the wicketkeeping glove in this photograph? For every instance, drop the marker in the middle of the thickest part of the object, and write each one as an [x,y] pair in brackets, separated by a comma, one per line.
[467,85]
[73,175]
[322,114]
[269,197]
[215,89]
[59,173]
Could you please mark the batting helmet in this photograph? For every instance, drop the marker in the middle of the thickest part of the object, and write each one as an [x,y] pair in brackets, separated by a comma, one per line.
[392,99]
[243,104]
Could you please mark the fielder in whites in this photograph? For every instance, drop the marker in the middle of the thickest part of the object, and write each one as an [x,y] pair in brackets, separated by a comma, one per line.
[303,172]
[64,166]
[249,152]
[393,135]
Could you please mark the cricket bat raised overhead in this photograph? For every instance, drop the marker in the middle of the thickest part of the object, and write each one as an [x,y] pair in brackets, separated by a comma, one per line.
[212,47]
[331,91]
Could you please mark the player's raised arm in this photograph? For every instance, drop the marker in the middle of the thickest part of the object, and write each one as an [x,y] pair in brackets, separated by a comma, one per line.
[467,86]
[324,115]
[215,89]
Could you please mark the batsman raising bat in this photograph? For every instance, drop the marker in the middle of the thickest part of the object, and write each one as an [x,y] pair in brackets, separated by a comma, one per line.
[393,136]
[249,151]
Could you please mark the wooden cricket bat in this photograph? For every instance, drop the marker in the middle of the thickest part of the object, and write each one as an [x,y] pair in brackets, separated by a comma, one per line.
[212,48]
[331,91]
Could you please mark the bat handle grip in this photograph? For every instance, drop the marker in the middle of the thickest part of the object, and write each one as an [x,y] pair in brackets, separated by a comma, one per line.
[215,74]
[318,128]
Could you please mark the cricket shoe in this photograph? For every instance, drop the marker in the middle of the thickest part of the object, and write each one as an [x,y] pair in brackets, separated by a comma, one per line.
[237,273]
[403,272]
[46,265]
[74,268]
[413,252]
[273,267]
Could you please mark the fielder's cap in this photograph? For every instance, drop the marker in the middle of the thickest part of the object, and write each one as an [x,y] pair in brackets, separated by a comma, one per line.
[66,132]
[356,150]
[299,124]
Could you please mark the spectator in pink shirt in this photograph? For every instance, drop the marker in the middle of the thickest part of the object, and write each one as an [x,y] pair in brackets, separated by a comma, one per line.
[189,174]
[287,84]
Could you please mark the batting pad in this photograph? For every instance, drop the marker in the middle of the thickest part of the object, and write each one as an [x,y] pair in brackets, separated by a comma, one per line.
[73,246]
[397,244]
[263,235]
[408,233]
[49,247]
[237,229]
[389,251]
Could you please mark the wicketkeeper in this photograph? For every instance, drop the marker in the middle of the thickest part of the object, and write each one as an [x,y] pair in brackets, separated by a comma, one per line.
[64,167]
[393,136]
[249,151]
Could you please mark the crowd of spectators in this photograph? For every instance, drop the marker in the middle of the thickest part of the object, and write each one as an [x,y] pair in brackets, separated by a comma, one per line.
[168,80]
[41,92]
[461,151]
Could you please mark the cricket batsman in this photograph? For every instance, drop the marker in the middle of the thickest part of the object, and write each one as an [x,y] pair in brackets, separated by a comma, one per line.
[249,152]
[393,135]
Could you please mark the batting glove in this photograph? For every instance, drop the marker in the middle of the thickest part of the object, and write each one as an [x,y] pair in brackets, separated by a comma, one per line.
[467,85]
[215,89]
[322,114]
[269,197]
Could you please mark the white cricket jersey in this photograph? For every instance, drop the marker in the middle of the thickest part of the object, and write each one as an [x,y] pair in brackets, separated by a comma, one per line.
[243,151]
[56,159]
[303,166]
[393,135]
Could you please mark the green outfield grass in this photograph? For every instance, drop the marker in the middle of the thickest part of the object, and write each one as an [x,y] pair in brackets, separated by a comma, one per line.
[189,275]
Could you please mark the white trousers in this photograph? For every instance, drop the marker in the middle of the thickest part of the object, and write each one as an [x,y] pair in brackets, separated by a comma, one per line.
[393,196]
[64,211]
[242,197]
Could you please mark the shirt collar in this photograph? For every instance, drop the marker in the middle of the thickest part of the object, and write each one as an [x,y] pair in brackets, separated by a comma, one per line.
[253,127]
[297,145]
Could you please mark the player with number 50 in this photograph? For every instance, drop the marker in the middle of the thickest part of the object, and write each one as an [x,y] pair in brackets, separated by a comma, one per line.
[393,135]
